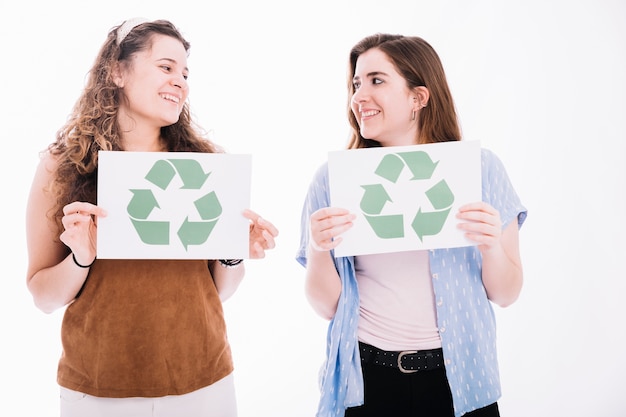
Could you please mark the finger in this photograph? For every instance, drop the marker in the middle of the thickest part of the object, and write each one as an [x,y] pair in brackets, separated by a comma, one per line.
[329,212]
[340,229]
[256,219]
[326,245]
[270,243]
[481,233]
[257,251]
[267,226]
[74,219]
[334,223]
[491,216]
[84,208]
[476,205]
[249,214]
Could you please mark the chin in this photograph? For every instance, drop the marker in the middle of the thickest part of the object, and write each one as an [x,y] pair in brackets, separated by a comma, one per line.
[171,121]
[368,135]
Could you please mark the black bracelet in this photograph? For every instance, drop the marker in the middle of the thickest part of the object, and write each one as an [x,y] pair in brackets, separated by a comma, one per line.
[82,266]
[230,263]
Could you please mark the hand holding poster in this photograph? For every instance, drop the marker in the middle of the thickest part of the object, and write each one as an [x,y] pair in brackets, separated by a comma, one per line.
[180,205]
[405,197]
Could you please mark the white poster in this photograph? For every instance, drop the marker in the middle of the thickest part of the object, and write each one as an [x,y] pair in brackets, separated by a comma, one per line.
[173,205]
[405,197]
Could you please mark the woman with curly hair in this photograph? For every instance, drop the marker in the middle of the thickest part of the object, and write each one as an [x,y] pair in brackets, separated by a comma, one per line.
[138,335]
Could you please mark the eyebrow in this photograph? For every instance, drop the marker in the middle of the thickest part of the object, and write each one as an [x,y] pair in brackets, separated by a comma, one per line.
[173,61]
[370,75]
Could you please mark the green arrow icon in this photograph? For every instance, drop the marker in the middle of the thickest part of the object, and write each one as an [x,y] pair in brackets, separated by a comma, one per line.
[153,233]
[142,204]
[208,206]
[195,233]
[420,164]
[390,167]
[374,198]
[161,174]
[440,195]
[387,227]
[429,223]
[190,172]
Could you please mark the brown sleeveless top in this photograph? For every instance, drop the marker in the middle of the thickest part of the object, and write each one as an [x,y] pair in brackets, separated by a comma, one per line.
[144,328]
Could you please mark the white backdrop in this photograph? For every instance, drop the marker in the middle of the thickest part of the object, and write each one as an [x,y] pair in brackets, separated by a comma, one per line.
[542,83]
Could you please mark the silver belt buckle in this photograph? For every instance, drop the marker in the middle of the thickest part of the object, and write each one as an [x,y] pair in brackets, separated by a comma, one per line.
[400,356]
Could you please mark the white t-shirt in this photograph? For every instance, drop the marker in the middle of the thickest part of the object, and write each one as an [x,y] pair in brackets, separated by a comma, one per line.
[397,306]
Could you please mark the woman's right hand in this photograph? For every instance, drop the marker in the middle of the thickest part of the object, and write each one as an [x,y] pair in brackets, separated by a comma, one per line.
[326,225]
[80,221]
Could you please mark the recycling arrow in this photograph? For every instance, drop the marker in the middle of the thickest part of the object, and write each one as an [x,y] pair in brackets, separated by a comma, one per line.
[208,206]
[431,223]
[418,162]
[152,232]
[387,226]
[189,170]
[195,233]
[142,204]
[374,198]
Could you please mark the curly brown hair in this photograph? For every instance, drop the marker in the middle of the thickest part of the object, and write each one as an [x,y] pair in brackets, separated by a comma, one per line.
[92,126]
[420,66]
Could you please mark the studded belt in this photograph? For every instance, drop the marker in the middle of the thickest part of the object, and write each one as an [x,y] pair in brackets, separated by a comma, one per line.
[407,361]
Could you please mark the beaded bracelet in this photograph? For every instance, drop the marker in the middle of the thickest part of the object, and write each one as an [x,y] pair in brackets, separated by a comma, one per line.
[82,266]
[230,263]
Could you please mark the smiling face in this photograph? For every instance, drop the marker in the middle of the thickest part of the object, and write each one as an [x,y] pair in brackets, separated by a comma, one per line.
[154,86]
[382,102]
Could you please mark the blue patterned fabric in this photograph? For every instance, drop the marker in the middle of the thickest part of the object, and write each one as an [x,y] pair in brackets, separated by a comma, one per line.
[465,316]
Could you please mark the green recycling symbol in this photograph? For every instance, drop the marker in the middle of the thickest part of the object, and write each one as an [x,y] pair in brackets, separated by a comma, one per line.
[143,203]
[425,223]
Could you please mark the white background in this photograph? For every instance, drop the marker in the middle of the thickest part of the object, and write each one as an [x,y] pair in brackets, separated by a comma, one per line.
[542,83]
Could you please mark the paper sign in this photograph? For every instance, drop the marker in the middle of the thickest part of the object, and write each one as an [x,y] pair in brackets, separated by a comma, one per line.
[173,205]
[405,197]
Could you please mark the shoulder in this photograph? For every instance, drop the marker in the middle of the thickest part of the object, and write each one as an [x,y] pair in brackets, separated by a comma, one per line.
[322,170]
[489,158]
[320,175]
[48,164]
[491,164]
[318,191]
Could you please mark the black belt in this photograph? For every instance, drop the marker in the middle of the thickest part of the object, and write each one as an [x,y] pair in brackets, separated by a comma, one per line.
[407,361]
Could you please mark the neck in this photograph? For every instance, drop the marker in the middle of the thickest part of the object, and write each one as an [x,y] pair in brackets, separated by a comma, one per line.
[137,141]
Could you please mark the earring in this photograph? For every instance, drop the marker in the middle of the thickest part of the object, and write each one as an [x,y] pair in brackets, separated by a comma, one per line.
[413,115]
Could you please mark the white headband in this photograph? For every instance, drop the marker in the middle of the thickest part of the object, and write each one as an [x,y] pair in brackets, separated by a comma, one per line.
[127,26]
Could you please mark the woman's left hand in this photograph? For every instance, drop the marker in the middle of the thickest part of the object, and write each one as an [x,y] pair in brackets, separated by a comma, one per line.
[483,224]
[262,234]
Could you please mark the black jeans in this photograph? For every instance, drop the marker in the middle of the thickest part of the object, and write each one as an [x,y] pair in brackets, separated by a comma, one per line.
[390,393]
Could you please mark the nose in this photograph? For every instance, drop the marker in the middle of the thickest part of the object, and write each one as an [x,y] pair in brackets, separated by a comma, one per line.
[359,96]
[180,82]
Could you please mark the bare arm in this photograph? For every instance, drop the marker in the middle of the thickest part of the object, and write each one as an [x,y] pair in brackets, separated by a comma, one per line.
[262,238]
[502,266]
[52,276]
[323,284]
[226,280]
